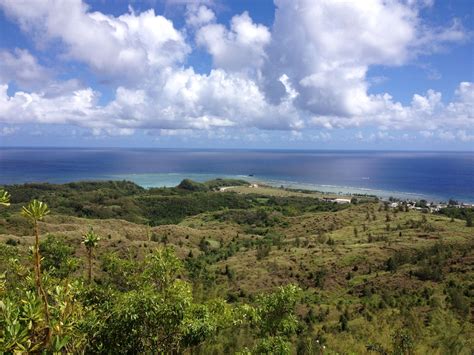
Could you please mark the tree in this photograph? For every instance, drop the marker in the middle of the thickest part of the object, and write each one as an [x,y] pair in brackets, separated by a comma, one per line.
[4,198]
[403,342]
[276,311]
[391,265]
[58,256]
[319,278]
[275,319]
[162,268]
[263,250]
[344,321]
[159,315]
[468,219]
[90,241]
[35,212]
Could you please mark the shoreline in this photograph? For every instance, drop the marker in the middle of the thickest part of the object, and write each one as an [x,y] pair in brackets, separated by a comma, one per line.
[323,188]
[153,180]
[173,179]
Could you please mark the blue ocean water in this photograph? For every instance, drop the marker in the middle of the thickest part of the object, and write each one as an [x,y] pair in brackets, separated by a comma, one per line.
[431,175]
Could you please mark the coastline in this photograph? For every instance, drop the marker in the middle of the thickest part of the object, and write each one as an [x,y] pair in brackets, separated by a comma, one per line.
[153,180]
[173,179]
[411,176]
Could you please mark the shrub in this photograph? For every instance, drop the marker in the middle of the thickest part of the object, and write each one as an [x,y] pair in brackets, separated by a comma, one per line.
[263,250]
[429,272]
[191,185]
[469,219]
[12,242]
[458,301]
[320,277]
[58,256]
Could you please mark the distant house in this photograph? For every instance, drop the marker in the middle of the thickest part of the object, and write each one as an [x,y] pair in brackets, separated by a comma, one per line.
[254,186]
[342,200]
[336,200]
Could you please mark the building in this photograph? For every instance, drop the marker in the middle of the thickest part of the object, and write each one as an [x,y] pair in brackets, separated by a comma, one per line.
[342,200]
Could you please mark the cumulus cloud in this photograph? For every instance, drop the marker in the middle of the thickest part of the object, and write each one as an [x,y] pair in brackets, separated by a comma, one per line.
[21,67]
[127,45]
[426,112]
[182,100]
[326,47]
[308,71]
[461,110]
[7,131]
[188,100]
[465,137]
[239,48]
[76,107]
[199,15]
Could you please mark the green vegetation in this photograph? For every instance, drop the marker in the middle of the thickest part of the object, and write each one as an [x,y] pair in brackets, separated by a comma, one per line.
[58,256]
[200,270]
[157,206]
[90,240]
[4,198]
[459,213]
[35,212]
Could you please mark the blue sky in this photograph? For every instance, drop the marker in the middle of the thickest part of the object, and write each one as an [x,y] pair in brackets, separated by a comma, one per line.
[311,74]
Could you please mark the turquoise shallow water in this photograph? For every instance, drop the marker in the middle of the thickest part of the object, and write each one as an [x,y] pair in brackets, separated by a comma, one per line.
[173,179]
[430,175]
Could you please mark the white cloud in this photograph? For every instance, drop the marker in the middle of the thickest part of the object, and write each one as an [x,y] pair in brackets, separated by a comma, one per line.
[129,45]
[426,104]
[426,134]
[310,71]
[180,99]
[75,107]
[435,39]
[326,47]
[197,16]
[426,112]
[120,131]
[22,68]
[465,137]
[184,99]
[176,132]
[242,47]
[460,112]
[7,131]
[321,137]
[446,135]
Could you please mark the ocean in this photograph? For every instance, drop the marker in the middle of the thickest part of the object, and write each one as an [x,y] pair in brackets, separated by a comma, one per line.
[435,176]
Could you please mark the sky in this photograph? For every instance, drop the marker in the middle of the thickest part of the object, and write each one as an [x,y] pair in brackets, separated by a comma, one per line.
[288,74]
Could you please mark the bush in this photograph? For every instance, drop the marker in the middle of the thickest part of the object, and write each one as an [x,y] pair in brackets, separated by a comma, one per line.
[263,250]
[429,272]
[12,242]
[320,277]
[458,301]
[469,219]
[403,342]
[191,185]
[58,256]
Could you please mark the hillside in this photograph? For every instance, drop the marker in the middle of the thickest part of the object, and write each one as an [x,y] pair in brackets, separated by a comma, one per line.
[258,269]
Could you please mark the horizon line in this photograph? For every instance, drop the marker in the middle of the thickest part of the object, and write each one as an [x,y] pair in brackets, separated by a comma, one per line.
[244,149]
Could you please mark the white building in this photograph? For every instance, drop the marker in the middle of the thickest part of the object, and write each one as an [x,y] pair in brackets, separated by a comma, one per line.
[342,200]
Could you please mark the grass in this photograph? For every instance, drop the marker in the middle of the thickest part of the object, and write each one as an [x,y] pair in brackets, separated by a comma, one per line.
[337,268]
